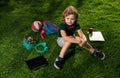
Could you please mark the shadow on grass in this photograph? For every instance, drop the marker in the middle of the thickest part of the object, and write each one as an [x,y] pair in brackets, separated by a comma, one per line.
[4,6]
[70,53]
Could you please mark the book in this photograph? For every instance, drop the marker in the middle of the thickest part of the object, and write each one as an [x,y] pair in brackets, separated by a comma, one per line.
[96,36]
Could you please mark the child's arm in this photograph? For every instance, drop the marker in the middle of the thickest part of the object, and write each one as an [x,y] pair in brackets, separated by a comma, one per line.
[81,34]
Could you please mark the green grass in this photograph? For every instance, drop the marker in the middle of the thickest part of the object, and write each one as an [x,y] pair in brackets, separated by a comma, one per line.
[16,17]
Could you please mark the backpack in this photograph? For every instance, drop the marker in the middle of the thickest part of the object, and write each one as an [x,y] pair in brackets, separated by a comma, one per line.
[49,27]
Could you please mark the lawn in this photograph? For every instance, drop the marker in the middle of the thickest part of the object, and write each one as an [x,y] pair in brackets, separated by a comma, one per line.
[16,17]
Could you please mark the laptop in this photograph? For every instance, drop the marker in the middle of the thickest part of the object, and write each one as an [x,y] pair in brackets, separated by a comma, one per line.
[36,63]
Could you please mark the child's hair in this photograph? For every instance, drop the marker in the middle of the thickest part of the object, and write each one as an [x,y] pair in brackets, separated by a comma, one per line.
[69,10]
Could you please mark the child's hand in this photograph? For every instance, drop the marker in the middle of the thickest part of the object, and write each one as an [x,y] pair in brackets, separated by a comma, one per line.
[72,37]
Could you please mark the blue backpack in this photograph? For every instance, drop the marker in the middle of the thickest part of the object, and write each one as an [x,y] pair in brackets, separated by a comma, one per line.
[49,27]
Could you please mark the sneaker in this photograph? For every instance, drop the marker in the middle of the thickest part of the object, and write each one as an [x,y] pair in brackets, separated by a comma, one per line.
[58,63]
[99,54]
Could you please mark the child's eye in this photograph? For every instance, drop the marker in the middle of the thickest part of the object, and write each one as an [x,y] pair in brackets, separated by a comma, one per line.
[72,19]
[67,18]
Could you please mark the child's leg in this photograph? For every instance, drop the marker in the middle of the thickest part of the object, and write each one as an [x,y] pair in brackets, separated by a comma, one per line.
[64,49]
[88,47]
[85,44]
[59,60]
[64,45]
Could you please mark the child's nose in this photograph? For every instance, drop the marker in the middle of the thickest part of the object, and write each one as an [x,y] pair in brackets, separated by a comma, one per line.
[70,20]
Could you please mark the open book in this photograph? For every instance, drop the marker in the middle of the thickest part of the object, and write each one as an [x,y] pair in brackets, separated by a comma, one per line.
[96,36]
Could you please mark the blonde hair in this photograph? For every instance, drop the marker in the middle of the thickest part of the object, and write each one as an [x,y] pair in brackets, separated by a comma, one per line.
[69,10]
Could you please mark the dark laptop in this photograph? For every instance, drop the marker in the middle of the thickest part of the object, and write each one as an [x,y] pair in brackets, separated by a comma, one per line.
[36,63]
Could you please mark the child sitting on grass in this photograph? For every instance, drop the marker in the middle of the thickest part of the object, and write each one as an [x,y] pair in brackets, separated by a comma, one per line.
[66,36]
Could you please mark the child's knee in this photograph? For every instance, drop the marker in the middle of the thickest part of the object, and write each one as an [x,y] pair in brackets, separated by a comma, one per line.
[67,43]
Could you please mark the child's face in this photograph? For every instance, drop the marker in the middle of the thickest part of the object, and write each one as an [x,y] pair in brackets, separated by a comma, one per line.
[70,19]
